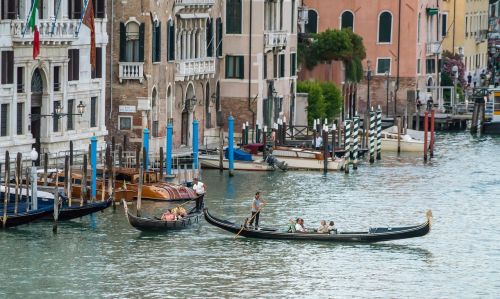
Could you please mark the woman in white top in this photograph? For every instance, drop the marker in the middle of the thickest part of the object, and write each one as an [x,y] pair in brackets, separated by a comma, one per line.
[299,226]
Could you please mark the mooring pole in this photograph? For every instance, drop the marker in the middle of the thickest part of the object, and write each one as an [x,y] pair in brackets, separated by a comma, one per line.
[399,133]
[426,125]
[195,145]
[170,129]
[379,133]
[325,150]
[230,146]
[146,148]
[347,144]
[93,164]
[372,136]
[355,140]
[431,151]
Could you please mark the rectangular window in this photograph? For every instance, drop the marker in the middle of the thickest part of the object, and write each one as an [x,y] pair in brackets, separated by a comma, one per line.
[234,67]
[275,66]
[75,9]
[430,66]
[57,78]
[171,41]
[233,16]
[4,120]
[74,65]
[20,79]
[155,128]
[20,118]
[71,104]
[97,73]
[218,33]
[125,122]
[282,65]
[383,65]
[10,9]
[7,67]
[55,119]
[419,21]
[292,20]
[444,24]
[93,112]
[293,64]
[99,9]
[418,66]
[466,26]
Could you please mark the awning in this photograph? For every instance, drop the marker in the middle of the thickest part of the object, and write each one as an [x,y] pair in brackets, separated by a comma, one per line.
[432,11]
[194,15]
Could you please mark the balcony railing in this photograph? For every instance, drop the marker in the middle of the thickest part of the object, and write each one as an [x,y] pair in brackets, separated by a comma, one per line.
[60,31]
[131,71]
[433,48]
[195,2]
[275,39]
[195,69]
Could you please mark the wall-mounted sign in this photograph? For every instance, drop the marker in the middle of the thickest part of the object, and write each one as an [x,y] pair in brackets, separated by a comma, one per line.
[126,109]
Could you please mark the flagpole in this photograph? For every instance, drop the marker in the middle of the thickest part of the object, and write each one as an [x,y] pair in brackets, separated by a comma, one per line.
[55,18]
[27,19]
[81,18]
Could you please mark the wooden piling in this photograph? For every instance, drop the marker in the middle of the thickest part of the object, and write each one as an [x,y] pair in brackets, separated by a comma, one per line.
[137,158]
[17,176]
[45,168]
[221,150]
[333,144]
[56,208]
[426,124]
[264,140]
[120,157]
[6,191]
[431,145]
[139,191]
[71,162]
[283,134]
[83,190]
[398,120]
[66,174]
[325,151]
[27,189]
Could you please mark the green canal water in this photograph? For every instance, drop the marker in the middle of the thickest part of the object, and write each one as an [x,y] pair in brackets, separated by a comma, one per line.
[104,257]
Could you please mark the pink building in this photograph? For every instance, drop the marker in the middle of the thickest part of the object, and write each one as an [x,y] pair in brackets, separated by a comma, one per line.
[407,29]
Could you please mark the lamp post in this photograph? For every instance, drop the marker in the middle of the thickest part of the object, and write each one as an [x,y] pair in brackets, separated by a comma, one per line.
[368,78]
[34,196]
[454,70]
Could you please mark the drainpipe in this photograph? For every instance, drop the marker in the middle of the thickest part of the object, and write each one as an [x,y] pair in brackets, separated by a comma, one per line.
[111,59]
[399,51]
[454,16]
[250,69]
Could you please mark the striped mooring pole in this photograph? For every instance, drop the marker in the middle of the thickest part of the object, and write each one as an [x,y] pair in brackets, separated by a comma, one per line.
[347,145]
[379,133]
[372,136]
[355,142]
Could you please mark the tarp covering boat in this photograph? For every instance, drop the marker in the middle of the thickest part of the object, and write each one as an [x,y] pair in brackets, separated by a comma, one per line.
[239,155]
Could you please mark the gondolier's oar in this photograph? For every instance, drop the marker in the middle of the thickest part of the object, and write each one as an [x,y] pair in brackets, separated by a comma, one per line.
[243,226]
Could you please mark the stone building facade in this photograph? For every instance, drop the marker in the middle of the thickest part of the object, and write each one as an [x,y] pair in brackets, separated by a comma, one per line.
[39,98]
[402,44]
[162,69]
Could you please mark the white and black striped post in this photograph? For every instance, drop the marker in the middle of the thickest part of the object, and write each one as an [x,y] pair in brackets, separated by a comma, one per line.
[379,133]
[355,142]
[347,145]
[372,136]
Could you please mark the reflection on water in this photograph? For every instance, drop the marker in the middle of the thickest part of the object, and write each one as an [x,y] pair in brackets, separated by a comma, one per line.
[105,257]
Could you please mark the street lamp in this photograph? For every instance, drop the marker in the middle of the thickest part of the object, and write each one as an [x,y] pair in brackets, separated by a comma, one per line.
[191,103]
[368,78]
[454,70]
[387,99]
[34,179]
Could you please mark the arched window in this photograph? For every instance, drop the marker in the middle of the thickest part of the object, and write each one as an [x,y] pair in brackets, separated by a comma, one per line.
[312,22]
[132,42]
[154,113]
[171,40]
[385,27]
[347,20]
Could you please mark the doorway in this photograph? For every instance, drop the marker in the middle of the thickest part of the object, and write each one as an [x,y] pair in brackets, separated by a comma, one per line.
[184,127]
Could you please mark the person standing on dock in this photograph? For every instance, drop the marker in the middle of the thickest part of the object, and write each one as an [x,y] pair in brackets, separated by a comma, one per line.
[200,190]
[257,205]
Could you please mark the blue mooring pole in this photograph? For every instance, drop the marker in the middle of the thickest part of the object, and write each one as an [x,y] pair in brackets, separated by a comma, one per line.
[170,129]
[146,147]
[195,144]
[230,145]
[93,165]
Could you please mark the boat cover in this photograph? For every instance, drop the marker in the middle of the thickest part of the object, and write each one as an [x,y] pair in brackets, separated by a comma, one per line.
[239,155]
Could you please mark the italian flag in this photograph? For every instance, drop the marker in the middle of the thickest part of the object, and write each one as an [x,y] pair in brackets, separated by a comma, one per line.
[33,24]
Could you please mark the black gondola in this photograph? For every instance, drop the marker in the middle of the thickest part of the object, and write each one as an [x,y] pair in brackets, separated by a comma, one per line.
[154,224]
[22,216]
[370,236]
[76,211]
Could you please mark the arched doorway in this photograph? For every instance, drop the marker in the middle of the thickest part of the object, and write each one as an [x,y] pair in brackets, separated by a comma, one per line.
[185,115]
[36,109]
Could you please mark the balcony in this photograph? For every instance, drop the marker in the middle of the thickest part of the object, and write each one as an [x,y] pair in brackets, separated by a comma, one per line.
[274,39]
[62,31]
[131,71]
[481,36]
[433,48]
[202,5]
[200,68]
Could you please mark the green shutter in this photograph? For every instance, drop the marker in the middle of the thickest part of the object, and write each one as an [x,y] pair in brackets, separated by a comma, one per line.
[431,11]
[141,42]
[219,37]
[158,42]
[123,41]
[153,42]
[227,61]
[282,65]
[171,40]
[241,63]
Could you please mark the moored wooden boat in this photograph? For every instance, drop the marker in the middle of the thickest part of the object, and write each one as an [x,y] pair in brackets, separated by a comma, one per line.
[154,224]
[22,216]
[369,236]
[305,159]
[212,161]
[412,141]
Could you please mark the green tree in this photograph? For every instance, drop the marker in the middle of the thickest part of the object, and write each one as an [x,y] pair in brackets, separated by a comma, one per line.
[324,99]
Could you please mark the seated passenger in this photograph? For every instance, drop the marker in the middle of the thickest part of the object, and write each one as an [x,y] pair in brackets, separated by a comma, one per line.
[299,226]
[331,228]
[168,216]
[323,228]
[291,226]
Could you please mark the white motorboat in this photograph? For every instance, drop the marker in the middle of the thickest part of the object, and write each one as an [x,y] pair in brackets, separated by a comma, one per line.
[212,161]
[305,159]
[412,141]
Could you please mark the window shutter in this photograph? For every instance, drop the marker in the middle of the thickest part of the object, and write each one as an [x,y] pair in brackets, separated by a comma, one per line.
[241,63]
[153,42]
[219,37]
[210,38]
[158,42]
[171,40]
[76,69]
[141,42]
[123,41]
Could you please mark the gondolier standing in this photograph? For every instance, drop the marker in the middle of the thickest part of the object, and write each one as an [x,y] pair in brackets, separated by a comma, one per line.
[200,190]
[257,205]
